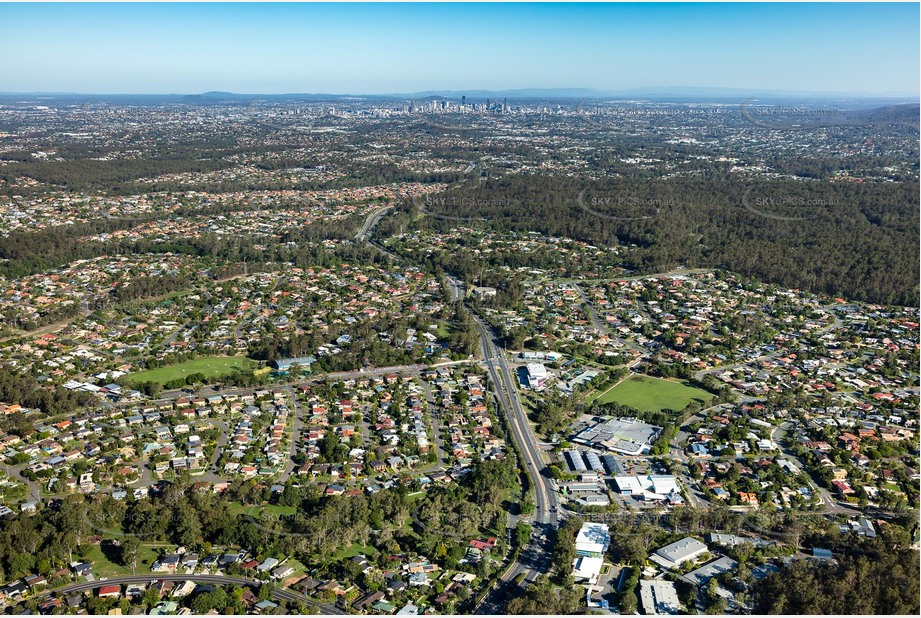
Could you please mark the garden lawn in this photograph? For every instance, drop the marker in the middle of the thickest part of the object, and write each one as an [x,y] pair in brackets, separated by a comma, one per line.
[353,550]
[653,394]
[236,509]
[209,366]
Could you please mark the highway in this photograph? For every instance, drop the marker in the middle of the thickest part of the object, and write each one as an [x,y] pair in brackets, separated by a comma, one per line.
[280,594]
[364,232]
[534,558]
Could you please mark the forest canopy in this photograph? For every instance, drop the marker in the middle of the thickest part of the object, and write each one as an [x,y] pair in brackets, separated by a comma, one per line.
[839,238]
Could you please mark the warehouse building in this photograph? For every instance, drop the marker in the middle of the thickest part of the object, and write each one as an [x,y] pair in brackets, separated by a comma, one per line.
[627,436]
[659,597]
[679,552]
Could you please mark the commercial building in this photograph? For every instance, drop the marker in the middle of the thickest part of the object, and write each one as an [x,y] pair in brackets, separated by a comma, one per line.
[537,376]
[659,597]
[586,569]
[575,461]
[731,540]
[650,487]
[593,540]
[627,436]
[591,544]
[284,364]
[679,552]
[550,356]
[594,463]
[704,574]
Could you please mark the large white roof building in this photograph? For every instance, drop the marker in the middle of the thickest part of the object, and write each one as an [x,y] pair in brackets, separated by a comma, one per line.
[678,552]
[593,540]
[659,597]
[591,544]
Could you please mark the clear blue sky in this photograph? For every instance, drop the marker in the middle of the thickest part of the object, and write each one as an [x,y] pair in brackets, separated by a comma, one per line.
[375,48]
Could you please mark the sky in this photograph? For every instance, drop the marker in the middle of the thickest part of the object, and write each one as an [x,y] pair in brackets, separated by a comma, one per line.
[400,48]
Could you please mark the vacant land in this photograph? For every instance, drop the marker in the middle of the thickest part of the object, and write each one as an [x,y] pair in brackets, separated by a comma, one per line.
[105,565]
[353,550]
[654,394]
[209,366]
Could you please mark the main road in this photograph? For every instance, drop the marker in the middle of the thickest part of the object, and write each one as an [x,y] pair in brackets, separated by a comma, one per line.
[364,232]
[534,558]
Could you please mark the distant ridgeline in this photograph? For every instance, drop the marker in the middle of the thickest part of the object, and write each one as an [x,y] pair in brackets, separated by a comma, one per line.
[845,238]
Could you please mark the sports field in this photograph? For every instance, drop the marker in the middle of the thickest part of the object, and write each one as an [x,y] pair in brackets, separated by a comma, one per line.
[653,394]
[208,366]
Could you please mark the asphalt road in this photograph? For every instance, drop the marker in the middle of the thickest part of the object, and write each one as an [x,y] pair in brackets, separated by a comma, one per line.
[364,233]
[534,558]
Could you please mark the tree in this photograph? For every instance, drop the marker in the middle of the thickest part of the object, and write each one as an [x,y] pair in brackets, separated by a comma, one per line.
[266,591]
[187,530]
[204,602]
[628,602]
[151,597]
[129,551]
[522,533]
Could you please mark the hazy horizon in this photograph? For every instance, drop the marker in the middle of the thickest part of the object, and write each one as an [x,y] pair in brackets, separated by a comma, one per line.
[380,49]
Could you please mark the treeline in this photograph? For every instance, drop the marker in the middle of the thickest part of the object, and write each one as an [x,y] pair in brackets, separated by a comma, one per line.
[27,392]
[367,347]
[840,238]
[180,514]
[27,253]
[874,577]
[149,286]
[95,175]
